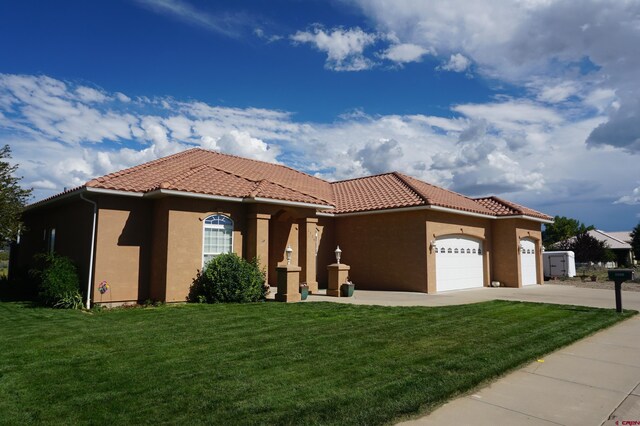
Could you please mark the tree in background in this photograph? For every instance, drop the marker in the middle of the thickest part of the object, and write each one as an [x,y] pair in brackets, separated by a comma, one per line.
[635,241]
[12,198]
[588,249]
[562,229]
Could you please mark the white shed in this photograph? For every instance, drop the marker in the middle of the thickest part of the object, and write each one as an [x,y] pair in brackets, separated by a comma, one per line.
[559,263]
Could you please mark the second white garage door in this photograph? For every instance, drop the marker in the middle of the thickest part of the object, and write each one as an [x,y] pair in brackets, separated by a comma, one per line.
[459,263]
[528,262]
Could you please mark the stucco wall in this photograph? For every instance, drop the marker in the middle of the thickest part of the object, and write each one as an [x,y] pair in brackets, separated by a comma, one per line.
[326,247]
[441,224]
[385,251]
[184,238]
[72,220]
[506,257]
[123,246]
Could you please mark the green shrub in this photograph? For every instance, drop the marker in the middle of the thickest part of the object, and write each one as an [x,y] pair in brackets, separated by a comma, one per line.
[228,279]
[57,280]
[71,300]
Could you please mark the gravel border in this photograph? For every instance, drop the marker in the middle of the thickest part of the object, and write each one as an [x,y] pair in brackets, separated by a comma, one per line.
[607,285]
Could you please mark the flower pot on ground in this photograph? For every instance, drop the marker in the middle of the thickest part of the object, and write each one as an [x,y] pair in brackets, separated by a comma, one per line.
[594,278]
[346,289]
[304,291]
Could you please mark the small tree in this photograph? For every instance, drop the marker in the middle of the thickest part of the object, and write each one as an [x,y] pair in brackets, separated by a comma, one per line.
[635,241]
[561,230]
[588,249]
[12,198]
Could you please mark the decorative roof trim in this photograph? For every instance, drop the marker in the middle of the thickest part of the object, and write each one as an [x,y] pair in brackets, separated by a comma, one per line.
[287,203]
[524,216]
[160,192]
[413,208]
[114,192]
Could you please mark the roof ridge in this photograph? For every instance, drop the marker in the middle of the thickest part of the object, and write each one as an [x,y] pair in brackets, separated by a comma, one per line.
[260,161]
[402,179]
[510,204]
[142,166]
[256,189]
[261,184]
[610,236]
[192,171]
[436,186]
[361,177]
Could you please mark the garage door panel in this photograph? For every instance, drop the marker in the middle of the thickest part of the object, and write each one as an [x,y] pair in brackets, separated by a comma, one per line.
[459,263]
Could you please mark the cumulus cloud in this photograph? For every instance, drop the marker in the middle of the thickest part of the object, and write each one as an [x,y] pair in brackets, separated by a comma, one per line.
[378,157]
[242,144]
[456,63]
[344,47]
[405,52]
[582,53]
[519,147]
[632,199]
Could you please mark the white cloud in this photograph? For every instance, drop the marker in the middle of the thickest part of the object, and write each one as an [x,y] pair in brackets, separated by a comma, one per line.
[563,50]
[87,94]
[378,157]
[531,151]
[405,52]
[456,63]
[344,47]
[632,199]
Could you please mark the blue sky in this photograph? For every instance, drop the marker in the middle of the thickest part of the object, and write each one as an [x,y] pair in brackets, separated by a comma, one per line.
[534,101]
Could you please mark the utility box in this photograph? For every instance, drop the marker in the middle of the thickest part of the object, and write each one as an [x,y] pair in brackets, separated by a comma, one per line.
[620,274]
[559,264]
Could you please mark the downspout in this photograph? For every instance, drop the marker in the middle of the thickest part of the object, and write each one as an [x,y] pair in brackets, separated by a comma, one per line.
[93,240]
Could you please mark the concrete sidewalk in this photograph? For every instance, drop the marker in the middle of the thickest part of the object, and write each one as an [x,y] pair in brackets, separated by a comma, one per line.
[593,381]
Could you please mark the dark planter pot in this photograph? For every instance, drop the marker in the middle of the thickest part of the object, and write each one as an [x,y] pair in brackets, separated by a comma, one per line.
[346,290]
[304,292]
[594,278]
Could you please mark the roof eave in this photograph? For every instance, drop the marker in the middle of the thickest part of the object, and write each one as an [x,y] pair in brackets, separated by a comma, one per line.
[527,217]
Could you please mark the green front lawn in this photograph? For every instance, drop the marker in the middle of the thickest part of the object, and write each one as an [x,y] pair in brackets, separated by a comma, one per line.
[273,363]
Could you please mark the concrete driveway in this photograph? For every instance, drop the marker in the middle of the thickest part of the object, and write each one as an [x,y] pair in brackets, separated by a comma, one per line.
[592,382]
[565,295]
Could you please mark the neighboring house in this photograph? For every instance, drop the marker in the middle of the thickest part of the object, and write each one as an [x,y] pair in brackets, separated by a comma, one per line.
[618,242]
[156,224]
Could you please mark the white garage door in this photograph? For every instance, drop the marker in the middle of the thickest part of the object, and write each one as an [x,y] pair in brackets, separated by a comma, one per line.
[459,263]
[528,262]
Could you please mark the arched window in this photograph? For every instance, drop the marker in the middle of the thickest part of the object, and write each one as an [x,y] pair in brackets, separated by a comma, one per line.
[217,236]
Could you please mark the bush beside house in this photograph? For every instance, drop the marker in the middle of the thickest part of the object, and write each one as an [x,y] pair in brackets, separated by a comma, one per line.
[229,278]
[57,281]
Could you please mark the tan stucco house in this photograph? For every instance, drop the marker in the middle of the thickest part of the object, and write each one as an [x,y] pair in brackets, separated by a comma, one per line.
[147,230]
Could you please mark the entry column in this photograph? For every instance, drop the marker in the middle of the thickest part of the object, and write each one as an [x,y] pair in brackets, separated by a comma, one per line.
[258,240]
[307,255]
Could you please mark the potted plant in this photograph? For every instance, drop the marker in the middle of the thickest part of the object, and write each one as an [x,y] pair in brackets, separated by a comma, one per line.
[594,278]
[347,288]
[304,291]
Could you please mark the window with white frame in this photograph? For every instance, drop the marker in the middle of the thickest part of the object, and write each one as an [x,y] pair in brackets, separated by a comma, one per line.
[217,236]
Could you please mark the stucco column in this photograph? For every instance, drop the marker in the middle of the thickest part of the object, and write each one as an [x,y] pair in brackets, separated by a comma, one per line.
[307,255]
[288,283]
[338,274]
[258,240]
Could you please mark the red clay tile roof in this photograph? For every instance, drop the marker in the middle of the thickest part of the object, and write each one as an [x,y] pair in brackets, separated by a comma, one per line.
[207,172]
[501,207]
[374,193]
[211,173]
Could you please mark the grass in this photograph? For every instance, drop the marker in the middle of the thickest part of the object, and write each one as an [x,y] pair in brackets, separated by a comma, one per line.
[309,363]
